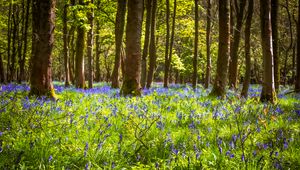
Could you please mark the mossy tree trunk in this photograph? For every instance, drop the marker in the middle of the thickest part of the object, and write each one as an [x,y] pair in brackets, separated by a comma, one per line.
[219,88]
[43,17]
[297,82]
[131,84]
[268,93]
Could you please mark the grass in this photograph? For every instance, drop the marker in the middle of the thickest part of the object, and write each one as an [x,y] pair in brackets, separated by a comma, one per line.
[175,128]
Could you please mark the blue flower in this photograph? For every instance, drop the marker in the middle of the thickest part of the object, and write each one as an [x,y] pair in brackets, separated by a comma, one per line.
[50,158]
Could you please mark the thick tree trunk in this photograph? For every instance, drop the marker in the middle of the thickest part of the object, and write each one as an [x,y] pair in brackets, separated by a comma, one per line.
[131,84]
[208,39]
[268,90]
[195,59]
[224,50]
[97,65]
[166,75]
[152,50]
[43,17]
[274,21]
[247,50]
[146,43]
[79,73]
[90,44]
[297,82]
[233,66]
[119,30]
[66,47]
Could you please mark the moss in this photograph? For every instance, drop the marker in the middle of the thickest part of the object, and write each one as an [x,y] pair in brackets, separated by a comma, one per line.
[34,91]
[131,88]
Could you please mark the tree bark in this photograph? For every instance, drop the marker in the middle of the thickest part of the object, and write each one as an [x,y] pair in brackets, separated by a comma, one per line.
[247,50]
[43,17]
[233,65]
[274,20]
[90,46]
[15,31]
[297,82]
[146,43]
[268,90]
[119,30]
[195,59]
[208,39]
[152,50]
[79,73]
[131,84]
[97,76]
[166,75]
[2,78]
[9,25]
[66,47]
[223,51]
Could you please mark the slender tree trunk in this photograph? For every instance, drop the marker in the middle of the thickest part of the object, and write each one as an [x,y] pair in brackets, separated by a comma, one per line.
[71,36]
[15,30]
[208,39]
[79,73]
[233,66]
[66,47]
[123,53]
[274,20]
[166,75]
[146,43]
[268,91]
[247,50]
[172,40]
[131,84]
[119,30]
[224,49]
[90,44]
[152,50]
[97,53]
[43,15]
[2,78]
[196,45]
[297,82]
[9,27]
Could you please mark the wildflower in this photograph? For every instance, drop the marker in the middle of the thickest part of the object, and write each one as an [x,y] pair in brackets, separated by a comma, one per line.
[156,165]
[254,153]
[113,165]
[1,133]
[86,148]
[86,166]
[50,158]
[237,109]
[243,157]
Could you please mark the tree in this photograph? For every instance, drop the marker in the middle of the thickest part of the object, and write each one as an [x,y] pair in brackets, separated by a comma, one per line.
[43,17]
[79,71]
[274,21]
[224,50]
[297,82]
[119,30]
[146,43]
[247,49]
[196,45]
[167,64]
[268,87]
[66,47]
[90,45]
[152,48]
[208,39]
[233,66]
[131,84]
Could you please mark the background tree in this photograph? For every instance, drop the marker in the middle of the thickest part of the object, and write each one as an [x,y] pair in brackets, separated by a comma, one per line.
[268,91]
[224,50]
[274,21]
[119,31]
[90,43]
[131,84]
[43,16]
[66,47]
[167,64]
[297,82]
[208,41]
[196,45]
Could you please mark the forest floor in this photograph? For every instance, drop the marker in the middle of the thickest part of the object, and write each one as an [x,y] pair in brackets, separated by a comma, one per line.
[175,128]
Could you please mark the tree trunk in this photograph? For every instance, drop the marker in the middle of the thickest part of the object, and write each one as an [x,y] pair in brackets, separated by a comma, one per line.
[247,50]
[66,48]
[90,44]
[208,39]
[9,25]
[233,66]
[224,50]
[268,90]
[15,30]
[274,21]
[2,78]
[43,17]
[297,82]
[119,30]
[79,73]
[166,75]
[152,50]
[146,43]
[97,65]
[131,84]
[195,45]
